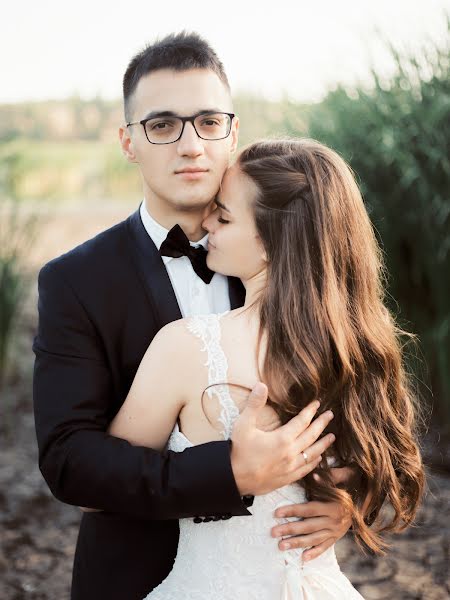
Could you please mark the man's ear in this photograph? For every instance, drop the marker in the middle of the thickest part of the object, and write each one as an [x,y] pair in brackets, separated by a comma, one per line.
[127,144]
[234,134]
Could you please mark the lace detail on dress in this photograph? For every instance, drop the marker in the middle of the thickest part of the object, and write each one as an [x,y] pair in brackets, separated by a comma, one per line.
[207,329]
[238,558]
[178,441]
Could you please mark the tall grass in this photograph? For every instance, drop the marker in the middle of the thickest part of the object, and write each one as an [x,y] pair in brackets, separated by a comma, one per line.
[16,235]
[396,137]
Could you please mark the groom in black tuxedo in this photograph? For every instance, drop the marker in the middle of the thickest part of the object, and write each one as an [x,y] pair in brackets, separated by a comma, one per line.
[100,306]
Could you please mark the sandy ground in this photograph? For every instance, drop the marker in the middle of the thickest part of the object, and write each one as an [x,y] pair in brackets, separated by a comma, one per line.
[38,534]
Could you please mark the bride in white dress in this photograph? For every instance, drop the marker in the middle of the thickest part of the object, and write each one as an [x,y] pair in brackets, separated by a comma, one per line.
[291,224]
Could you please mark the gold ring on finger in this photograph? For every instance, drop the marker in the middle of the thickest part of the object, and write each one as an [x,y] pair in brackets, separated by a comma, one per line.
[305,456]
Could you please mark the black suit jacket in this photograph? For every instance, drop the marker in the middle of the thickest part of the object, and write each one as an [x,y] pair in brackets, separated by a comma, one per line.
[100,306]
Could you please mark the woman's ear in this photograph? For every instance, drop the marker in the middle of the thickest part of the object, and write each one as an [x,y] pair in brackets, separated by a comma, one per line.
[126,143]
[263,253]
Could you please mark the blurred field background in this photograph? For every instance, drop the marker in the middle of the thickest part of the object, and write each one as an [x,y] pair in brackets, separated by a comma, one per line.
[63,179]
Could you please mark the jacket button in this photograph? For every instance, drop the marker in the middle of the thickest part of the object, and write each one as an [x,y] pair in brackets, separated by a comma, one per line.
[226,517]
[207,519]
[198,520]
[216,518]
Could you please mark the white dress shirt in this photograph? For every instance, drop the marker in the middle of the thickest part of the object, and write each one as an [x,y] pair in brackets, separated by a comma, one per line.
[194,296]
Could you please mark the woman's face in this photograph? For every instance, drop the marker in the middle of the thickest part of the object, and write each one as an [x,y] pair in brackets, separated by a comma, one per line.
[234,247]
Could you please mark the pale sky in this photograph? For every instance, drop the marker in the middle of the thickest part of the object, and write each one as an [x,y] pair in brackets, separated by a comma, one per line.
[297,48]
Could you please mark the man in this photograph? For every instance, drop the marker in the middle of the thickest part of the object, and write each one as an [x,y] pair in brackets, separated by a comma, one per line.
[100,306]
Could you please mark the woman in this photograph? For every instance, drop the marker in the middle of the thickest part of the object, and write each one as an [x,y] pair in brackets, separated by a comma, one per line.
[291,224]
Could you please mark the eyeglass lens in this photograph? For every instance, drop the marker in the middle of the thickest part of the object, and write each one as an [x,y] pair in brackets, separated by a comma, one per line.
[211,126]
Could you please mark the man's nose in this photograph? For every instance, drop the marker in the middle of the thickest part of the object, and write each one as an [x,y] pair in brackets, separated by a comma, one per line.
[190,144]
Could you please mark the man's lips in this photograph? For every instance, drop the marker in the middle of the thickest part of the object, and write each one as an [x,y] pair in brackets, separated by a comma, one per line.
[191,173]
[191,170]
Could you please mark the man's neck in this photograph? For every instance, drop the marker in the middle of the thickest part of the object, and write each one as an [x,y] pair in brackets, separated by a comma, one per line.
[190,223]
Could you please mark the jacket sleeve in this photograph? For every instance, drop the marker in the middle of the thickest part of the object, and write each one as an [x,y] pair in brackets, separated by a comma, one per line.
[80,462]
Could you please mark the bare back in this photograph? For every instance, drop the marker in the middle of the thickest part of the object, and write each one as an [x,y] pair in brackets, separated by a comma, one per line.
[226,355]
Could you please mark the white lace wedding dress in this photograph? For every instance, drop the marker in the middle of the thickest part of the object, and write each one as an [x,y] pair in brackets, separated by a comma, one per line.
[237,559]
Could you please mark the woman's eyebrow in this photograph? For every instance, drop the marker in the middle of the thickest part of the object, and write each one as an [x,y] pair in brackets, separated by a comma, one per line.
[222,206]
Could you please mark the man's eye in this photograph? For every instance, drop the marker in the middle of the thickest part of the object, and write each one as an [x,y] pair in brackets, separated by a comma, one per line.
[222,220]
[160,125]
[210,122]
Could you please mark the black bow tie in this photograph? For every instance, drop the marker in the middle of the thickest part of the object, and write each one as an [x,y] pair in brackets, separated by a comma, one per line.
[177,244]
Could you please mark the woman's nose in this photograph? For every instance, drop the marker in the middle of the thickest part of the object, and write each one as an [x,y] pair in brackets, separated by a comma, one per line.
[207,223]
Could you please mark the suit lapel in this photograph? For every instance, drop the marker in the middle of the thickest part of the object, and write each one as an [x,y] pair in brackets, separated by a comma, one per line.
[155,278]
[236,291]
[153,273]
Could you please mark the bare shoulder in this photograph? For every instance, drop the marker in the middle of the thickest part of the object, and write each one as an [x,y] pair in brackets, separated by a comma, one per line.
[173,339]
[173,330]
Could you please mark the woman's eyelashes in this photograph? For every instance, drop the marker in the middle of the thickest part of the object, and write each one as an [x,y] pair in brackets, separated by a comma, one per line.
[222,220]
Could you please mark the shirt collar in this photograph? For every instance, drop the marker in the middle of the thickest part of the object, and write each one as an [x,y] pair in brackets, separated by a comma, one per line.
[158,233]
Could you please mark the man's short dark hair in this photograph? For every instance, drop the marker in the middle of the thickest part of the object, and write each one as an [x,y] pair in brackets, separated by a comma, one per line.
[177,51]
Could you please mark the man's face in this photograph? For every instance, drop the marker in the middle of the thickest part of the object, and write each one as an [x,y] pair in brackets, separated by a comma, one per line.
[184,93]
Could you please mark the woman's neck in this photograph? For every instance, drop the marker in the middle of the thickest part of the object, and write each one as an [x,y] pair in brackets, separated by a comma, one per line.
[254,287]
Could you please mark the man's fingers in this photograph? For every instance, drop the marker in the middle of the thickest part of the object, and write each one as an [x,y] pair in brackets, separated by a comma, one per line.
[304,541]
[301,469]
[310,435]
[300,527]
[256,400]
[317,448]
[316,551]
[305,510]
[295,426]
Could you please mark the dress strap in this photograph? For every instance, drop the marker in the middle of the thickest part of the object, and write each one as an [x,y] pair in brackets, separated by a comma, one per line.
[207,328]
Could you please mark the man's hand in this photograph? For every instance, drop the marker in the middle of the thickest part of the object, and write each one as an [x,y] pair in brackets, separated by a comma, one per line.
[263,461]
[323,524]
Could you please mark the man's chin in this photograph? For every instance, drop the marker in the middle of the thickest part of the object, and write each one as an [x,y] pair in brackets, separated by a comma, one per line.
[195,202]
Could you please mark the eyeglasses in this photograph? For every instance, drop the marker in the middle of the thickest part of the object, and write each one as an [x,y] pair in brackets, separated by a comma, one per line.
[162,129]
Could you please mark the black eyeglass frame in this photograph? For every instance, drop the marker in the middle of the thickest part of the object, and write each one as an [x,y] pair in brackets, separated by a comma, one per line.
[185,120]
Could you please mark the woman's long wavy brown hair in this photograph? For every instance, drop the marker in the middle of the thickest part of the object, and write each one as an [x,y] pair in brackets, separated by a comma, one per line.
[329,334]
